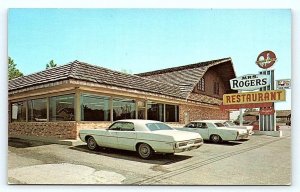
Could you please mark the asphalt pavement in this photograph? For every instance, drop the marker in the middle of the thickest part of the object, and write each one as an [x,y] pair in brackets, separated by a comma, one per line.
[261,160]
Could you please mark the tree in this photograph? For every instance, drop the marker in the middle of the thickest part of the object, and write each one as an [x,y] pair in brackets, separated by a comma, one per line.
[51,64]
[13,72]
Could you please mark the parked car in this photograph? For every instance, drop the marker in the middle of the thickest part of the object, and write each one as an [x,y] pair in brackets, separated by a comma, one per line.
[215,131]
[230,124]
[144,136]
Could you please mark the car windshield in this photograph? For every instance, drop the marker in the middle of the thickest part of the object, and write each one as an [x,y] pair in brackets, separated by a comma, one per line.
[219,124]
[158,126]
[230,123]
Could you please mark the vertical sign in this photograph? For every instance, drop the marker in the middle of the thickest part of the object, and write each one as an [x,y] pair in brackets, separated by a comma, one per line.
[267,122]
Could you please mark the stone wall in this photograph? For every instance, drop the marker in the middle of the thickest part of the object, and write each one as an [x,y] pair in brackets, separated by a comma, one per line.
[61,130]
[93,125]
[189,113]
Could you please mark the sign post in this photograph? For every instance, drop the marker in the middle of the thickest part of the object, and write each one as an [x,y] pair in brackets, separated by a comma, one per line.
[265,60]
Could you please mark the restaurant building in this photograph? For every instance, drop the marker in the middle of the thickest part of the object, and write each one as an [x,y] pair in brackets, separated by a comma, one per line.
[60,101]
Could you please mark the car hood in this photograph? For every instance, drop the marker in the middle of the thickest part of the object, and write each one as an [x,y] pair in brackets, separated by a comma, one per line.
[179,135]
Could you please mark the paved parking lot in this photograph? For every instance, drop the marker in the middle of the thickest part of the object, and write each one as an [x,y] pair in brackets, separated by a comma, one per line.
[262,160]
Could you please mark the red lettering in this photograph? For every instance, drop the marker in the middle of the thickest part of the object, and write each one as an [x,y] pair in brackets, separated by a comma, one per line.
[243,100]
[248,98]
[273,96]
[228,99]
[260,97]
[279,94]
[233,98]
[238,98]
[267,97]
[254,97]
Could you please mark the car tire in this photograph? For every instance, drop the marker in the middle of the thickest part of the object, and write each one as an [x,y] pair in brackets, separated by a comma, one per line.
[145,151]
[215,138]
[92,144]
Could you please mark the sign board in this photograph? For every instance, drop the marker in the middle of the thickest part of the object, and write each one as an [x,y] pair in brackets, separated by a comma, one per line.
[283,84]
[244,106]
[266,59]
[254,97]
[250,82]
[266,111]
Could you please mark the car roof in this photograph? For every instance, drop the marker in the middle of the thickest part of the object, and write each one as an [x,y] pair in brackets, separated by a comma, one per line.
[139,124]
[138,121]
[209,121]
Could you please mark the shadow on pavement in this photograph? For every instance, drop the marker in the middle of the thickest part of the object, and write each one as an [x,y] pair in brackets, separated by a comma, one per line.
[159,159]
[226,143]
[22,143]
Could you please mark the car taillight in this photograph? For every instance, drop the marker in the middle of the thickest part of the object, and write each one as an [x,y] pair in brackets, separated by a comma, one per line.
[181,144]
[198,141]
[237,133]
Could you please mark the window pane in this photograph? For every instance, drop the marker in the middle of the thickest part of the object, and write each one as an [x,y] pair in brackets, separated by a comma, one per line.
[62,108]
[155,111]
[95,108]
[37,110]
[123,109]
[158,126]
[172,113]
[18,111]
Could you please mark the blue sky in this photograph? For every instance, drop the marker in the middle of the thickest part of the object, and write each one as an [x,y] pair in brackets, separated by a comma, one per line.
[142,40]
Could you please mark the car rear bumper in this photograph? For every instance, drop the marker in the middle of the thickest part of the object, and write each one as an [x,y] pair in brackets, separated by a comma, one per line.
[243,136]
[188,147]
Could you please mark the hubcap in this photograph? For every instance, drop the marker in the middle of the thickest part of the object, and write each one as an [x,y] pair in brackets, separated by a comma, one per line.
[144,150]
[92,143]
[215,138]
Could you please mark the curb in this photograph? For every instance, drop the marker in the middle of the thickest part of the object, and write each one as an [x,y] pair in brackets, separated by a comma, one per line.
[69,142]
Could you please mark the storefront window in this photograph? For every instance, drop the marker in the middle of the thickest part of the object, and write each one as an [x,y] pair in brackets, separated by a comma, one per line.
[123,109]
[172,113]
[155,111]
[62,108]
[94,108]
[18,112]
[37,110]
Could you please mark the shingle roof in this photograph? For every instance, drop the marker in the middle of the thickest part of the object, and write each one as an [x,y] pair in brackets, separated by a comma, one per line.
[86,72]
[177,82]
[283,113]
[187,76]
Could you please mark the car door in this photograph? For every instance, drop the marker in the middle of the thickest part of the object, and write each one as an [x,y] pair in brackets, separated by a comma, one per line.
[127,136]
[203,130]
[110,139]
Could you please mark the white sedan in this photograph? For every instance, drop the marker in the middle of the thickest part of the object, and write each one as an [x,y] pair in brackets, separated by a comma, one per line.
[215,131]
[230,124]
[144,136]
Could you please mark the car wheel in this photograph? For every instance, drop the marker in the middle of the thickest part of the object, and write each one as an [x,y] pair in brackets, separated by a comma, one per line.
[91,143]
[145,151]
[216,138]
